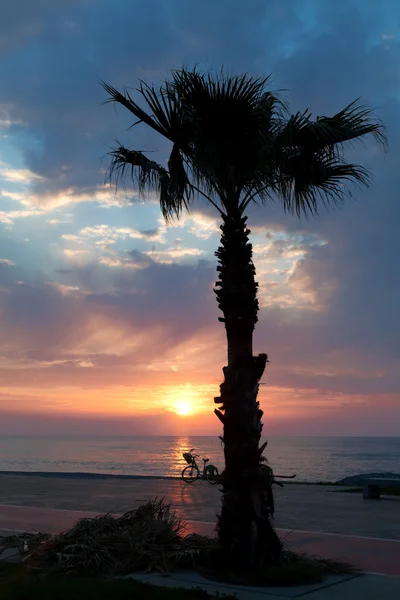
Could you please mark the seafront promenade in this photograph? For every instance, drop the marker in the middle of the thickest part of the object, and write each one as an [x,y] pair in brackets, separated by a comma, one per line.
[301,507]
[316,519]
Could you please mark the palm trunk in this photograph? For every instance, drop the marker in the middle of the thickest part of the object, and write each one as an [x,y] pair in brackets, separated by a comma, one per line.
[244,529]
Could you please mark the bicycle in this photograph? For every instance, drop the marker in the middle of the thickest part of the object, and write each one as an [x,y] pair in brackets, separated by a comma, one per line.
[192,473]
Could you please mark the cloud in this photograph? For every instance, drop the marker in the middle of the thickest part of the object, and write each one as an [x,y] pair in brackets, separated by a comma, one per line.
[48,201]
[120,262]
[200,225]
[111,294]
[24,176]
[277,256]
[58,324]
[27,23]
[6,122]
[105,232]
[139,259]
[8,218]
[76,254]
[60,120]
[70,237]
[170,255]
[63,289]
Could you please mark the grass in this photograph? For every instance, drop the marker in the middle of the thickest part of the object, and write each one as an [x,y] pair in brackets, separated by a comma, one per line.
[17,583]
[295,569]
[385,491]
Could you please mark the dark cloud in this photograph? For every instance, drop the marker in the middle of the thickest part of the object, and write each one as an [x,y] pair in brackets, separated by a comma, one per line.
[138,258]
[356,273]
[53,86]
[27,22]
[149,233]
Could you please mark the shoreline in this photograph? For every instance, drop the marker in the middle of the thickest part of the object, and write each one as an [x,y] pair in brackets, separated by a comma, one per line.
[121,476]
[349,481]
[81,475]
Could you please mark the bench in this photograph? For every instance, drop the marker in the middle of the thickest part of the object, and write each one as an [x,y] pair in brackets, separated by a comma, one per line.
[372,487]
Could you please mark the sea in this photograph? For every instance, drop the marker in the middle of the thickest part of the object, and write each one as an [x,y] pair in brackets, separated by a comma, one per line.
[312,459]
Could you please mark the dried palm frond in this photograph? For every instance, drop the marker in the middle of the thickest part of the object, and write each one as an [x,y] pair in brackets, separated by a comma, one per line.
[152,537]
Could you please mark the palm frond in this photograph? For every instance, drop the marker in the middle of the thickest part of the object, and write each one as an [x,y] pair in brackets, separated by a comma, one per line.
[306,182]
[178,178]
[306,160]
[231,118]
[127,101]
[152,537]
[172,186]
[193,85]
[166,107]
[234,142]
[352,123]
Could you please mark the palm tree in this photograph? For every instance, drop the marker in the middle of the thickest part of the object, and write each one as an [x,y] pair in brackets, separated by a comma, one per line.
[234,143]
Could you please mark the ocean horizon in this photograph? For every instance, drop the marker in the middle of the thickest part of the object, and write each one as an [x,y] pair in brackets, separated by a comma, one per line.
[312,459]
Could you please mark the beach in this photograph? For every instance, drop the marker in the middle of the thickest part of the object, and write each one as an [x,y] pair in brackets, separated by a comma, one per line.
[312,508]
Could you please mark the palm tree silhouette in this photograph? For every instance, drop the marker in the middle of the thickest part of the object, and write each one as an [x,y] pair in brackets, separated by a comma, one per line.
[234,142]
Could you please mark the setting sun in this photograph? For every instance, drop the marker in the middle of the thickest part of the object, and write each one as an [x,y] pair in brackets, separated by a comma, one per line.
[183,408]
[186,399]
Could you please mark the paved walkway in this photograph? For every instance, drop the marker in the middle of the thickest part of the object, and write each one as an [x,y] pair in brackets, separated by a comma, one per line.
[315,519]
[305,507]
[365,587]
[368,554]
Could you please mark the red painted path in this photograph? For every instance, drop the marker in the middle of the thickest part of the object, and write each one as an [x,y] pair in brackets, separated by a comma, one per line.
[371,555]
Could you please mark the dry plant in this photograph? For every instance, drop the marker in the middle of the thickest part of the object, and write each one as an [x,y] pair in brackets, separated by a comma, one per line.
[150,538]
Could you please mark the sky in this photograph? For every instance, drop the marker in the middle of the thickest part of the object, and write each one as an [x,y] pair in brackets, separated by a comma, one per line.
[108,321]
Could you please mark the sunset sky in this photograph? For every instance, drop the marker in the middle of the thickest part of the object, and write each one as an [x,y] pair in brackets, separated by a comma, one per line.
[107,317]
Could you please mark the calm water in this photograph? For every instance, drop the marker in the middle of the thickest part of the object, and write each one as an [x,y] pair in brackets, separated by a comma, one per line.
[313,459]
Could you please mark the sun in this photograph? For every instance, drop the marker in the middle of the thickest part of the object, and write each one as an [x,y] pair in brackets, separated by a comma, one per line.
[183,408]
